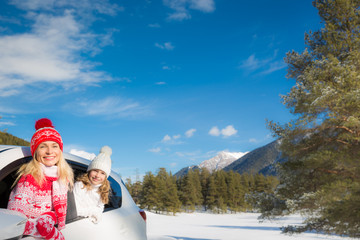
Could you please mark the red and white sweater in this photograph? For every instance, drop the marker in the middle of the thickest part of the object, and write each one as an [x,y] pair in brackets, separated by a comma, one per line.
[33,200]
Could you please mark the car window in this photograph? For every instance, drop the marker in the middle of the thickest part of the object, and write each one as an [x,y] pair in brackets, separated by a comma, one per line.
[115,195]
[7,178]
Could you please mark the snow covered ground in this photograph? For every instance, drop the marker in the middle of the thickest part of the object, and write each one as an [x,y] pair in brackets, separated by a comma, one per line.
[206,226]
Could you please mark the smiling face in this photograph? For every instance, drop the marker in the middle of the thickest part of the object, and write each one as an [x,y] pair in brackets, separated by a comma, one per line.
[48,153]
[97,176]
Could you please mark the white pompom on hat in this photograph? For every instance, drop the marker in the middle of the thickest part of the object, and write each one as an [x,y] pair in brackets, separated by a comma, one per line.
[102,161]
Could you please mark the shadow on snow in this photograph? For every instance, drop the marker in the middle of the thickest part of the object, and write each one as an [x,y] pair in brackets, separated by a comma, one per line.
[248,227]
[190,238]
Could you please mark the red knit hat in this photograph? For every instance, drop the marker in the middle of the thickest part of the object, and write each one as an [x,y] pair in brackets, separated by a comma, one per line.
[45,131]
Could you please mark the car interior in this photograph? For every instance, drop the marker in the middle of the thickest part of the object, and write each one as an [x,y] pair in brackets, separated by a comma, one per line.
[8,176]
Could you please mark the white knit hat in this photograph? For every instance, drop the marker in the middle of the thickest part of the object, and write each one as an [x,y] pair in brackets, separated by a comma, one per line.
[102,161]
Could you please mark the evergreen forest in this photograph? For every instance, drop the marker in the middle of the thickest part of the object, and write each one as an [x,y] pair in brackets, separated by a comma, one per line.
[218,192]
[8,139]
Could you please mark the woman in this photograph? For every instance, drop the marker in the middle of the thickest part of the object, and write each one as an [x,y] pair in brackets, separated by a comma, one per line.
[41,187]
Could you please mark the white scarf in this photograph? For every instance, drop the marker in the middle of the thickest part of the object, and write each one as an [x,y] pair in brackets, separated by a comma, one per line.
[59,194]
[50,171]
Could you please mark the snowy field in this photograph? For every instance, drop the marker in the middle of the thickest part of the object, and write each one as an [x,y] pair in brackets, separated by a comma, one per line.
[205,226]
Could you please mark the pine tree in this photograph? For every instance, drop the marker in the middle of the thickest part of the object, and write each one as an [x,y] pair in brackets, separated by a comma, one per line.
[240,191]
[149,194]
[245,182]
[167,190]
[204,181]
[161,179]
[188,194]
[198,190]
[211,195]
[221,191]
[260,183]
[173,203]
[271,182]
[322,145]
[129,186]
[232,191]
[134,189]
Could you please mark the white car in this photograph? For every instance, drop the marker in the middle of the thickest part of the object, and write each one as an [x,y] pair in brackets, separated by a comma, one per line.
[122,218]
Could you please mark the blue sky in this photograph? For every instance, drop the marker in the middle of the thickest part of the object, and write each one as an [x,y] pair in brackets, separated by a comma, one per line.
[164,83]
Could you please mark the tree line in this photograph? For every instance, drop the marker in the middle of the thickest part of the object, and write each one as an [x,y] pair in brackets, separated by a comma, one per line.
[8,139]
[219,192]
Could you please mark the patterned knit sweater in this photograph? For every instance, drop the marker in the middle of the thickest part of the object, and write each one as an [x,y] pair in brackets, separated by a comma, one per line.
[31,199]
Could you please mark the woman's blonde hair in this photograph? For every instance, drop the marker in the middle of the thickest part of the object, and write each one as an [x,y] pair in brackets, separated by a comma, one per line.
[65,172]
[103,190]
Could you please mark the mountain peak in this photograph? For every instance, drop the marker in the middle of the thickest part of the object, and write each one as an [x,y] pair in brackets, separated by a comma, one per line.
[221,160]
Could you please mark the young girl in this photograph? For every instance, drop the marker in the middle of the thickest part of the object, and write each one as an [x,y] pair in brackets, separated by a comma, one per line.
[42,184]
[91,190]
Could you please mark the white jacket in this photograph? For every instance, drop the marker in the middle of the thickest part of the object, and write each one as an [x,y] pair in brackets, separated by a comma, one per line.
[88,202]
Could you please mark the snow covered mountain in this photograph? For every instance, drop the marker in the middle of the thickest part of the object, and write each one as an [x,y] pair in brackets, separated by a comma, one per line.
[221,160]
[260,160]
[218,162]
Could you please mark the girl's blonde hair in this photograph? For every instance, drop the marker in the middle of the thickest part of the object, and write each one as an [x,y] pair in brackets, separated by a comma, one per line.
[103,190]
[65,172]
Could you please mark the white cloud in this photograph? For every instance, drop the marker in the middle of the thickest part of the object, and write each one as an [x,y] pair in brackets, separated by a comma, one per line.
[179,154]
[51,51]
[166,138]
[202,5]
[81,153]
[110,107]
[187,154]
[6,123]
[9,19]
[166,46]
[10,110]
[172,140]
[154,25]
[193,156]
[189,133]
[251,63]
[128,173]
[84,7]
[8,92]
[274,66]
[176,136]
[167,67]
[253,140]
[160,83]
[225,132]
[264,66]
[182,8]
[155,150]
[179,16]
[228,131]
[214,131]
